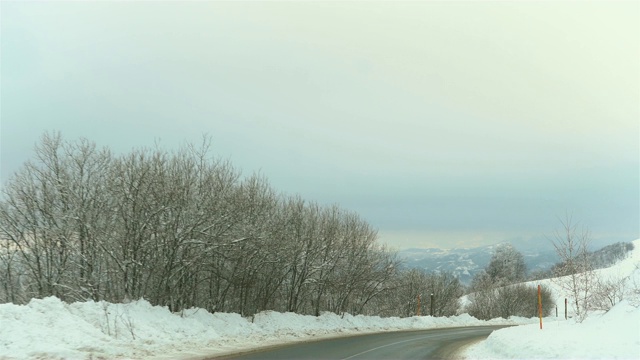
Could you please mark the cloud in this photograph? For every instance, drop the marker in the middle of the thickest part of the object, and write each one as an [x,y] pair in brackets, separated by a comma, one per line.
[412,113]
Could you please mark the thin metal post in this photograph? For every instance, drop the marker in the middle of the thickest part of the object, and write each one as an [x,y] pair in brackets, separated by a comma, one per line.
[432,304]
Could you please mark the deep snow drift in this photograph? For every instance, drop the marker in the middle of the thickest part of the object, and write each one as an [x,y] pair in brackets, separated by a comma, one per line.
[51,329]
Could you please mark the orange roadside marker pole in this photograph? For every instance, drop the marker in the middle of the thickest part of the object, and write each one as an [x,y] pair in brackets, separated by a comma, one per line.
[540,305]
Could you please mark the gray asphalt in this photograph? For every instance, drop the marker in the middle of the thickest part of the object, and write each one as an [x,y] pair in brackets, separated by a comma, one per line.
[423,344]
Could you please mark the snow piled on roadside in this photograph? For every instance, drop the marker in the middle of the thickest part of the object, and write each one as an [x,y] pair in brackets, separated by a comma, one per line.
[49,328]
[614,334]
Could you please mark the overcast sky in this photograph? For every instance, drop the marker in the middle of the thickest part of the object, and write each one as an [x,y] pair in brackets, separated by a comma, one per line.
[448,124]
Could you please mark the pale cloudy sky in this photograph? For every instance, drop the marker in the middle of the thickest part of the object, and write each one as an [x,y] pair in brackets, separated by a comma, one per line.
[450,124]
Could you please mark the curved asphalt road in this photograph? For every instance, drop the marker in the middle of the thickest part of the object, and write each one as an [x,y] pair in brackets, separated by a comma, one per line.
[422,344]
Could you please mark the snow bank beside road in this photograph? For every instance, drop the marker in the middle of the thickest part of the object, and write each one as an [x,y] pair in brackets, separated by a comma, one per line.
[49,328]
[614,335]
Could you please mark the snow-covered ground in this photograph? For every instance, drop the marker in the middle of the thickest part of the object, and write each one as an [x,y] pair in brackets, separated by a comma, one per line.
[614,335]
[51,329]
[611,335]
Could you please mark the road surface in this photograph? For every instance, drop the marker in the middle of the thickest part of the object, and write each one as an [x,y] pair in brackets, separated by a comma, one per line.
[422,344]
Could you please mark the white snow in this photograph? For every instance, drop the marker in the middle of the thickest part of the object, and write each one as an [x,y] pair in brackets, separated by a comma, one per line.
[614,334]
[48,328]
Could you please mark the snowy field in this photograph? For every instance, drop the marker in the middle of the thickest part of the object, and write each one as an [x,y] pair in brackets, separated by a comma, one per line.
[51,329]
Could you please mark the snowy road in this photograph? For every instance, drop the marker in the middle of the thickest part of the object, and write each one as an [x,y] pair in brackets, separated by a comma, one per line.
[423,344]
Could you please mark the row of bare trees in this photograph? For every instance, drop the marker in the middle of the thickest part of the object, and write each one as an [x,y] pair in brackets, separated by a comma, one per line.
[180,229]
[419,292]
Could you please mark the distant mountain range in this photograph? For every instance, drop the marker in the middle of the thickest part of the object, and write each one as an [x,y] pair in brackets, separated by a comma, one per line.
[466,263]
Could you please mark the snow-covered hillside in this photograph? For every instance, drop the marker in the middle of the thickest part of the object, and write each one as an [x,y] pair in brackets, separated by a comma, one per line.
[614,334]
[51,329]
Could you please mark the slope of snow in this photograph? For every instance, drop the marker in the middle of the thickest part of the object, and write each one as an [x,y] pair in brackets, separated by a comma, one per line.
[614,334]
[626,268]
[48,328]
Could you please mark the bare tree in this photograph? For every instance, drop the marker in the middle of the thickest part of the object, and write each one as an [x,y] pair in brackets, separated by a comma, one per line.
[507,266]
[37,219]
[575,273]
[10,273]
[446,290]
[411,289]
[483,297]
